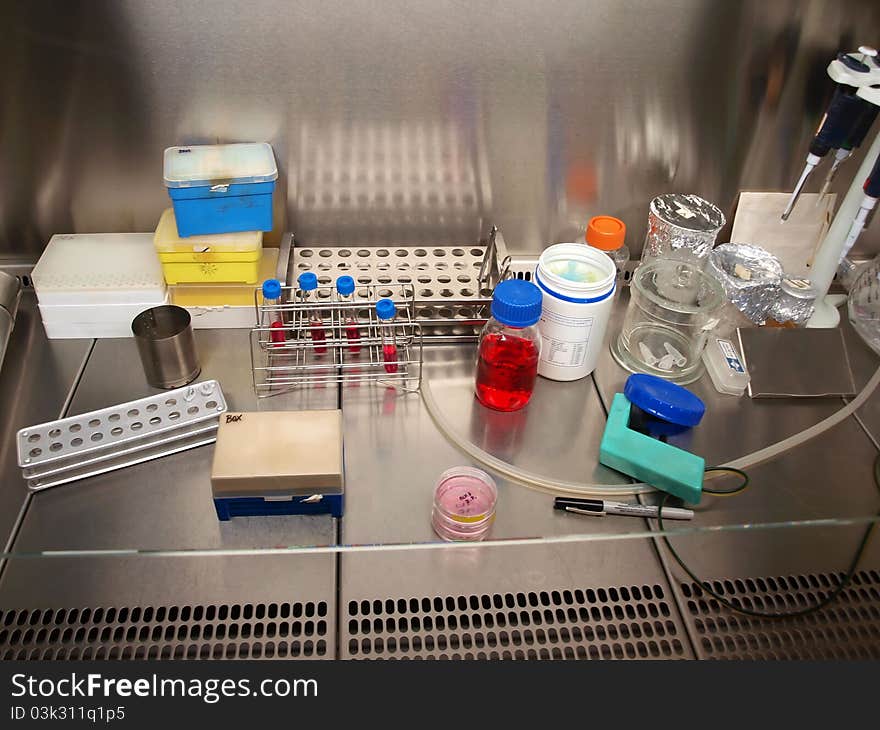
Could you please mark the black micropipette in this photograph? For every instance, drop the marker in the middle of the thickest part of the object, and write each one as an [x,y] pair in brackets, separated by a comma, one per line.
[853,141]
[841,117]
[872,193]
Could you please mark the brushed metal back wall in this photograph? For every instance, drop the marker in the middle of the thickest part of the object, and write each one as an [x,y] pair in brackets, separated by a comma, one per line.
[403,119]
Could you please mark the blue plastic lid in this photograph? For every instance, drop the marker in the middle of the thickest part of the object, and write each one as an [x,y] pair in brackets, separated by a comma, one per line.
[308,280]
[385,309]
[517,303]
[664,400]
[271,289]
[345,285]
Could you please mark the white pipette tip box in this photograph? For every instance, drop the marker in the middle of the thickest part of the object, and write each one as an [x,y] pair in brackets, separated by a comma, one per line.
[94,284]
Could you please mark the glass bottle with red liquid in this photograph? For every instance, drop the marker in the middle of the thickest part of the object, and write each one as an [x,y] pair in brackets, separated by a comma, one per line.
[387,312]
[510,346]
[272,308]
[345,292]
[308,284]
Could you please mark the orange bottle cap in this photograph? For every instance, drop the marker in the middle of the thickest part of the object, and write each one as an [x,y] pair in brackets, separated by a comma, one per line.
[605,232]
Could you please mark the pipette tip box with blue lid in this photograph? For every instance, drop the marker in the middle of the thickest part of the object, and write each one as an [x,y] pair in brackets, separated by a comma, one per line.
[221,188]
[278,463]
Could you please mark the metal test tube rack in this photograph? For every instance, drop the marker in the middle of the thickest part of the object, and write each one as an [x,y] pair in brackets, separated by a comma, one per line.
[298,360]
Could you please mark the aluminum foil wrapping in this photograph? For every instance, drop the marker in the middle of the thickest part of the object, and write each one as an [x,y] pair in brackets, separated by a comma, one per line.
[795,304]
[751,278]
[682,227]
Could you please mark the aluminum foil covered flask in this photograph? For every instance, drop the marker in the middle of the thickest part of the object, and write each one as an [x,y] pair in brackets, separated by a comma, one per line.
[681,227]
[751,278]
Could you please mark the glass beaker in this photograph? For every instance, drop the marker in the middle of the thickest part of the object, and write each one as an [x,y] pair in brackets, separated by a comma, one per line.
[673,306]
[681,227]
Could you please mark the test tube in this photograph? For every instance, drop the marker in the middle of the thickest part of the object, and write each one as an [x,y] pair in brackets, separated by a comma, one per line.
[272,309]
[386,312]
[308,283]
[345,290]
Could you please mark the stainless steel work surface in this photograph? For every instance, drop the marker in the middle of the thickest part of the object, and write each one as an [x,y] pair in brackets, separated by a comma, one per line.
[397,453]
[590,599]
[166,505]
[595,598]
[829,478]
[798,362]
[37,378]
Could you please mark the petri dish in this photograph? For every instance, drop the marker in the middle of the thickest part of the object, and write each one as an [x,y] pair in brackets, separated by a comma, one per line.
[464,504]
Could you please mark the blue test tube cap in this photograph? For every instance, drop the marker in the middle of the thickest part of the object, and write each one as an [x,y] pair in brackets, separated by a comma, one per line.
[385,309]
[271,289]
[308,281]
[345,285]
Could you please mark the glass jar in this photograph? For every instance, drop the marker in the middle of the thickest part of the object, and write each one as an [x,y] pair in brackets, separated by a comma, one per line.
[681,227]
[509,347]
[673,307]
[608,234]
[795,304]
[864,304]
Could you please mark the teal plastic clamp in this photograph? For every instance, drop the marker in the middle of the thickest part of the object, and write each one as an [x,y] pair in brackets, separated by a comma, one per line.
[647,459]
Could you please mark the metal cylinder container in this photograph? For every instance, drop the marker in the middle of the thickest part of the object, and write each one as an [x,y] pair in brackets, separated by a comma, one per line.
[166,345]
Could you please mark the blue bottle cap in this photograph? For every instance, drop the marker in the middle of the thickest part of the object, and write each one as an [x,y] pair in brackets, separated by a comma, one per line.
[517,303]
[308,280]
[271,289]
[664,400]
[345,285]
[385,309]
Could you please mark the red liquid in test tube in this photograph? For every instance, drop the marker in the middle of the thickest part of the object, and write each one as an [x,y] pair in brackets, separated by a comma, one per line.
[389,355]
[386,312]
[277,332]
[318,337]
[353,334]
[345,294]
[272,304]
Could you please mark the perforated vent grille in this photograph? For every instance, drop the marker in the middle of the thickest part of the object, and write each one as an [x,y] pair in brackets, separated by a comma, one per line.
[847,629]
[604,623]
[248,631]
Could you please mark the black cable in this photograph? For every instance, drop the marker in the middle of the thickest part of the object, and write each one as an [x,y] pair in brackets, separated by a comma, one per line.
[832,596]
[728,470]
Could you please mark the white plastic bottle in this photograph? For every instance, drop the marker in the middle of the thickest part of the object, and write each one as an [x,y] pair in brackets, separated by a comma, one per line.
[578,284]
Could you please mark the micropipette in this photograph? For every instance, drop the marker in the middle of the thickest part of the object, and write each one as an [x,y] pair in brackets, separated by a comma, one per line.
[861,125]
[854,140]
[840,119]
[872,193]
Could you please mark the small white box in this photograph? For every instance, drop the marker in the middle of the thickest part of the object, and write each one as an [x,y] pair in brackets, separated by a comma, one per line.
[725,366]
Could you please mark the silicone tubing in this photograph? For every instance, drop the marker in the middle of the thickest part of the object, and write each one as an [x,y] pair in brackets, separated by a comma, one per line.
[566,488]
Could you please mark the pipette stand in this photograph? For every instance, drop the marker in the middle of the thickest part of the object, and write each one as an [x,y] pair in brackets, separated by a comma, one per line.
[831,251]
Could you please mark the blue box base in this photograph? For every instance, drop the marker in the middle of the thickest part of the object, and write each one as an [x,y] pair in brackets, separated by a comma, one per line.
[199,212]
[229,507]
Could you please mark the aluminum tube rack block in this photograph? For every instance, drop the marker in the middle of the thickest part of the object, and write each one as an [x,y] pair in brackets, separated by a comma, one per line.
[130,433]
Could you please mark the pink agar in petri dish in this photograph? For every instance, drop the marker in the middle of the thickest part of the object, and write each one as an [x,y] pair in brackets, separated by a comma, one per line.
[464,504]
